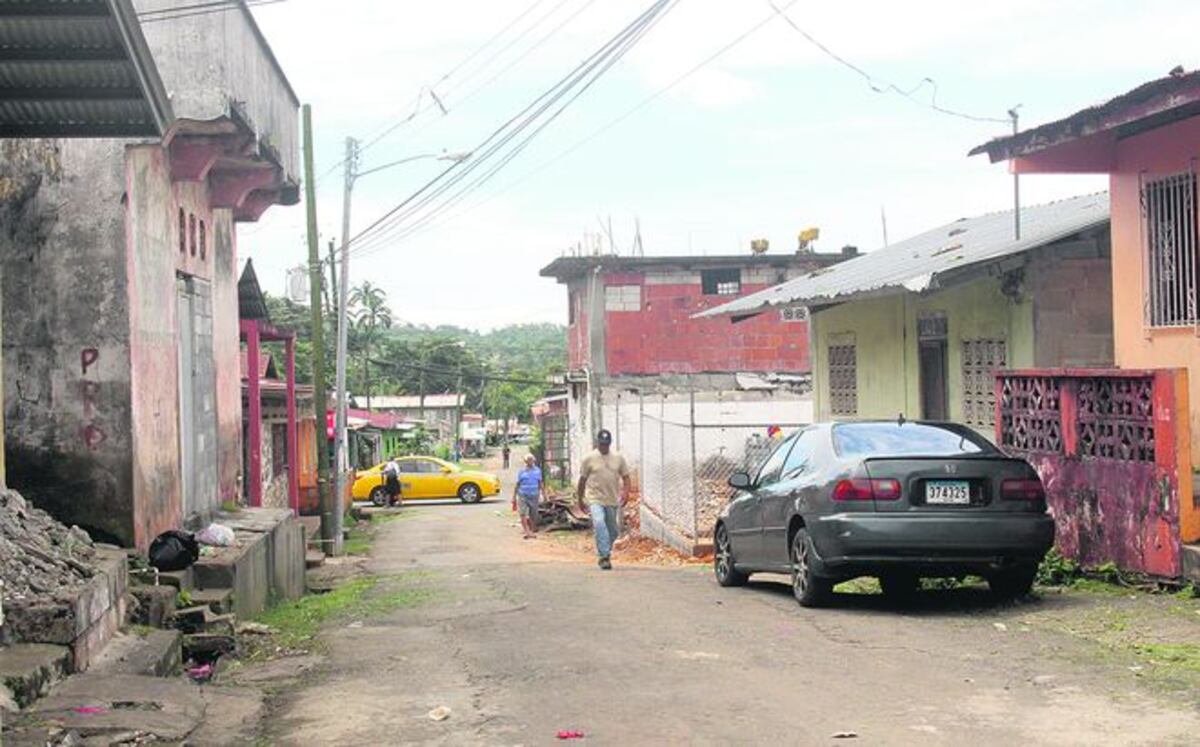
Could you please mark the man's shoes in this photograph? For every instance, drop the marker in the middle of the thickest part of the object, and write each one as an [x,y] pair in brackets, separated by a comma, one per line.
[606,564]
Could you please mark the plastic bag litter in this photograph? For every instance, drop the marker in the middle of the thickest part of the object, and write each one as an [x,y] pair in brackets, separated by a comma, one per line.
[217,535]
[173,550]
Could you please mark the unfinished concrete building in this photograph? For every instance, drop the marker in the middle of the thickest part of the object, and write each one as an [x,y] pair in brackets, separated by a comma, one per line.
[122,393]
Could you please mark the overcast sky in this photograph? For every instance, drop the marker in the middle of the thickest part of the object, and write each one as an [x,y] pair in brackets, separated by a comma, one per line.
[772,137]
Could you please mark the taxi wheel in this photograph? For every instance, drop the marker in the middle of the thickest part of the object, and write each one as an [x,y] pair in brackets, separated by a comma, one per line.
[470,493]
[379,497]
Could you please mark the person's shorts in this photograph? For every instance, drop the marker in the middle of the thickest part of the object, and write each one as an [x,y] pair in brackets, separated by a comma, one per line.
[527,508]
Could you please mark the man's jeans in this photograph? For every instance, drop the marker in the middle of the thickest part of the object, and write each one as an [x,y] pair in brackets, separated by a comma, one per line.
[604,524]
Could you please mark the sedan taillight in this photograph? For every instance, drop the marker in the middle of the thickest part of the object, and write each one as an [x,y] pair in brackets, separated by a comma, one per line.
[867,490]
[1022,490]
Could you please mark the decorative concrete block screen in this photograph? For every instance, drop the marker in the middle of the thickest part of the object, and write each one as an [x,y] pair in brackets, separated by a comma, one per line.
[1113,449]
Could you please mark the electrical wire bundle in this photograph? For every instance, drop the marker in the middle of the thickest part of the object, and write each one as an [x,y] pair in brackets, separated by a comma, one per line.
[198,9]
[506,142]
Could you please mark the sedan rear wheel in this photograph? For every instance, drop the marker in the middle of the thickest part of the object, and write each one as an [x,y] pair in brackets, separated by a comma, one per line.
[810,590]
[470,493]
[379,497]
[723,562]
[1013,583]
[899,585]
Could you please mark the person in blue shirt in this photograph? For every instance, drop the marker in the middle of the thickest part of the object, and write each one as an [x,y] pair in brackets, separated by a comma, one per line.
[526,494]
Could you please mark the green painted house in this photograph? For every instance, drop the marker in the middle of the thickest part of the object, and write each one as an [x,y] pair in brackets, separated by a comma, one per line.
[918,327]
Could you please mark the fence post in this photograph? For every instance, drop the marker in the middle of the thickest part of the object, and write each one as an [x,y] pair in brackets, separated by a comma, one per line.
[617,421]
[641,444]
[695,474]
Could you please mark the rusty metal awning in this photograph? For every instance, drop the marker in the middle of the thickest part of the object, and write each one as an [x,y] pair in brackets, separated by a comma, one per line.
[77,68]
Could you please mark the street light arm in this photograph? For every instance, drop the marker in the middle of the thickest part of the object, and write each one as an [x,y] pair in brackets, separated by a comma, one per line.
[456,157]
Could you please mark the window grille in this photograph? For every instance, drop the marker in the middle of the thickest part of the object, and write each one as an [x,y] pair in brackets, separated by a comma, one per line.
[794,314]
[721,282]
[843,379]
[980,361]
[1172,249]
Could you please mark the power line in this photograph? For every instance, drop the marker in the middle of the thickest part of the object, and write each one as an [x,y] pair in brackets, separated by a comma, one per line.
[606,127]
[465,372]
[419,109]
[578,80]
[199,9]
[505,160]
[879,85]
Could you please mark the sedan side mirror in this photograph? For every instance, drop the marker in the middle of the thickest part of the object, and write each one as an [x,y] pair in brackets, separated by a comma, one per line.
[740,481]
[446,470]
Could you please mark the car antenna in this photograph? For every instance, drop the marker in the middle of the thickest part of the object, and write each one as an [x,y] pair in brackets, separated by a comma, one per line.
[900,419]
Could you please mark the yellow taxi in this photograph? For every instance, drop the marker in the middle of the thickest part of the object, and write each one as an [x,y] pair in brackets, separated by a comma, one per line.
[426,478]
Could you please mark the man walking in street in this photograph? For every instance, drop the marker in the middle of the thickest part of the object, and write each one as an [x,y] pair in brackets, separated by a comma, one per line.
[604,487]
[526,494]
[504,453]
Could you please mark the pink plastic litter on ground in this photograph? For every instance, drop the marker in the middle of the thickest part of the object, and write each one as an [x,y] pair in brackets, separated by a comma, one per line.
[90,710]
[201,672]
[570,735]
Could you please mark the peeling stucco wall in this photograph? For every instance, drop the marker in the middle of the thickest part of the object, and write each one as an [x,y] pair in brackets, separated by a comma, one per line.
[66,332]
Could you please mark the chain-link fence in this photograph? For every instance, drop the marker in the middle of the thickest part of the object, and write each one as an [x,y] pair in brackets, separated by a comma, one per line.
[685,446]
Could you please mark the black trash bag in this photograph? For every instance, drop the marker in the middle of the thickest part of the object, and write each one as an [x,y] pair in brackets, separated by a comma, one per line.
[174,551]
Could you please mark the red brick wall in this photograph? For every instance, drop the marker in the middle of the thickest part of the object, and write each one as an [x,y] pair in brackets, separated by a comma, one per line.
[663,338]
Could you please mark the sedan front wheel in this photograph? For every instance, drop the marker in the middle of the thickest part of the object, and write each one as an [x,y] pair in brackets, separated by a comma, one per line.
[723,562]
[470,493]
[810,590]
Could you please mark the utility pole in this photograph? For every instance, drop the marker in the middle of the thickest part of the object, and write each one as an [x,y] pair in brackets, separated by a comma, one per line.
[1016,183]
[316,275]
[340,445]
[458,403]
[331,307]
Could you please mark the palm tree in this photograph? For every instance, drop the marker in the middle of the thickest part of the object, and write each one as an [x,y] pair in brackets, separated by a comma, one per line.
[370,314]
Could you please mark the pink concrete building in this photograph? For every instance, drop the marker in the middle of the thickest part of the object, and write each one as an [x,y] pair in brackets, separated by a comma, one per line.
[1120,474]
[122,387]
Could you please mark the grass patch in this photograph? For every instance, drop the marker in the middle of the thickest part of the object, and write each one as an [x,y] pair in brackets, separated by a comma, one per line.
[358,541]
[1185,656]
[863,585]
[297,622]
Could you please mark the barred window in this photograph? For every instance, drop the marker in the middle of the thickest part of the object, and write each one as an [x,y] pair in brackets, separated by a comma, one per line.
[1172,250]
[721,282]
[843,379]
[980,361]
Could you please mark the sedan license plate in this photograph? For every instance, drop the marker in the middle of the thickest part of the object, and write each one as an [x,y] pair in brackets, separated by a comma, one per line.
[947,493]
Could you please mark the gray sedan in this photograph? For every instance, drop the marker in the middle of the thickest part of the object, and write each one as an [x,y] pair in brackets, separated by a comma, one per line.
[897,500]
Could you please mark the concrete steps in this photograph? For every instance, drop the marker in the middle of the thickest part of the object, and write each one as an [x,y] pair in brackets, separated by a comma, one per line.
[1191,562]
[154,653]
[220,601]
[29,670]
[87,621]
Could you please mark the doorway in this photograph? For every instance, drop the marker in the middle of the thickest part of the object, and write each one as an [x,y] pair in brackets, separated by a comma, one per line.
[933,367]
[197,396]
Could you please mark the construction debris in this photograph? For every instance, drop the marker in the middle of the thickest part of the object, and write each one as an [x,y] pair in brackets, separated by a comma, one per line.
[559,513]
[39,557]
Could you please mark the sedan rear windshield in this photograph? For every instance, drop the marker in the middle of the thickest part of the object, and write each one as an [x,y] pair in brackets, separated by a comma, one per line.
[907,439]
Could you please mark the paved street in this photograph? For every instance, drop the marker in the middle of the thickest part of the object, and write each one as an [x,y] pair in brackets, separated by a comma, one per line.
[524,639]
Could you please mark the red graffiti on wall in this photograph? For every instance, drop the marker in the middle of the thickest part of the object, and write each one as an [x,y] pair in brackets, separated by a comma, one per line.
[87,357]
[94,436]
[92,433]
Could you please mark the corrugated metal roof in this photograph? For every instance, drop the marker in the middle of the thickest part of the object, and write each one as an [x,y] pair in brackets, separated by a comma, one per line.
[410,402]
[1150,105]
[916,263]
[77,68]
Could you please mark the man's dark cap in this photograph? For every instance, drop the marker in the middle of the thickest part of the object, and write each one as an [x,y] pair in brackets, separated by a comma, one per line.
[604,437]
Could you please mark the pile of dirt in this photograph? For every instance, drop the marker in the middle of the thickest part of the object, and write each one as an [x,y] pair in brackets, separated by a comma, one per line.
[39,557]
[634,548]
